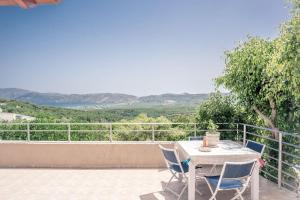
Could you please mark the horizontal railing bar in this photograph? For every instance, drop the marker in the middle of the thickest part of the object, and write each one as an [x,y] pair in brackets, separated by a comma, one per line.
[259,127]
[104,123]
[271,166]
[292,155]
[119,130]
[48,131]
[155,130]
[292,145]
[261,136]
[297,135]
[269,174]
[272,130]
[220,130]
[108,123]
[290,175]
[13,130]
[289,164]
[101,130]
[265,155]
[293,187]
[271,148]
[31,123]
[175,123]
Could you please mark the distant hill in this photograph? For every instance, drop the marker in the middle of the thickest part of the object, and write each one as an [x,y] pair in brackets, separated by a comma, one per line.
[57,114]
[100,100]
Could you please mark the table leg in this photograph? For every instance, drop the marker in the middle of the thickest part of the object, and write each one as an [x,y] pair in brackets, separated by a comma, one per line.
[192,179]
[255,184]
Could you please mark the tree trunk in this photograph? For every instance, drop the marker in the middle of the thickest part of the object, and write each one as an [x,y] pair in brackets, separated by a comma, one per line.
[268,120]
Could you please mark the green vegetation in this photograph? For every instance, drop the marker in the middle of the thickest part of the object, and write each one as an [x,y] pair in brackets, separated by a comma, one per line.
[98,132]
[223,110]
[264,76]
[53,114]
[212,127]
[163,132]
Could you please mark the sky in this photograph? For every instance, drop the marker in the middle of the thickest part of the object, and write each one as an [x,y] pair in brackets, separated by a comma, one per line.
[137,47]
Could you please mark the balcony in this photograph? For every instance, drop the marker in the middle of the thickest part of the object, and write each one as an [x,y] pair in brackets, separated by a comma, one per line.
[73,168]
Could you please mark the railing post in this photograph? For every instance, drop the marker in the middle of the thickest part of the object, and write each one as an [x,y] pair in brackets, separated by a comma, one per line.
[237,132]
[244,134]
[110,132]
[28,132]
[69,132]
[279,158]
[153,133]
[195,129]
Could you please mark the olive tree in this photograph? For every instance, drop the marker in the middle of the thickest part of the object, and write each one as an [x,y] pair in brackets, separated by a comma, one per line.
[265,74]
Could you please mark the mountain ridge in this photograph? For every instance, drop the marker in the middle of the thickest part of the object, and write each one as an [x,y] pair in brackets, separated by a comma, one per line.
[99,100]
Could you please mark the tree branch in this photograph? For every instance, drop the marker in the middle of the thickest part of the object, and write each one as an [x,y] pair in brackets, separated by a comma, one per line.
[268,121]
[273,110]
[291,113]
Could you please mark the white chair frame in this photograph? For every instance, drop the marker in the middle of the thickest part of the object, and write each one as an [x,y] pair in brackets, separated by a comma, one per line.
[181,176]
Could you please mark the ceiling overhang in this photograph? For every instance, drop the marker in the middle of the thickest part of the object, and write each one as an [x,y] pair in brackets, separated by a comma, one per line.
[26,3]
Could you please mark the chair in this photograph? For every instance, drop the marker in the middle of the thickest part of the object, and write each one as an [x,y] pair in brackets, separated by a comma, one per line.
[177,168]
[194,138]
[255,146]
[234,176]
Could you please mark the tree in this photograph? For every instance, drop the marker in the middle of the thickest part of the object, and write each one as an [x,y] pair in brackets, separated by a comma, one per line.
[285,68]
[220,109]
[265,74]
[245,76]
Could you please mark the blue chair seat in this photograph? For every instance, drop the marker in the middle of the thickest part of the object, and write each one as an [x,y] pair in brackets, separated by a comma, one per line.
[225,184]
[184,164]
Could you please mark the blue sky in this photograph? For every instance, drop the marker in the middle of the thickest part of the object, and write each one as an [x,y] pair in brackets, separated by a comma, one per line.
[137,47]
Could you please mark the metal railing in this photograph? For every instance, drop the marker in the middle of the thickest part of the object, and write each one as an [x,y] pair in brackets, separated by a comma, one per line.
[278,159]
[107,129]
[281,154]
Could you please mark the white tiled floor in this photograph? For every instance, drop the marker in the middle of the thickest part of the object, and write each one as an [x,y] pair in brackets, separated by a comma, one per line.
[110,184]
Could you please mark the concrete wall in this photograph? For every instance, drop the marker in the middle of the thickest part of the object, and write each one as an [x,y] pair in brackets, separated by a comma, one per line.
[81,154]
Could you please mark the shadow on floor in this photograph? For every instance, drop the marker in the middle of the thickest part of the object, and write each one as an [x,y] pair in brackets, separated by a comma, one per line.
[177,186]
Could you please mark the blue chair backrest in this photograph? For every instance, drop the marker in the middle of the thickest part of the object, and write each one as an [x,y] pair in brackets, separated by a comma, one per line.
[191,138]
[170,155]
[238,170]
[255,146]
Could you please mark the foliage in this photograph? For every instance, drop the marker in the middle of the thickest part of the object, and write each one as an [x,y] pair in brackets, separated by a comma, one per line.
[44,132]
[221,109]
[212,127]
[135,131]
[265,75]
[246,76]
[53,114]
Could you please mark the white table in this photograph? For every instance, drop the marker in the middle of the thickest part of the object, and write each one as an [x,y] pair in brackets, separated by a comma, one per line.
[225,151]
